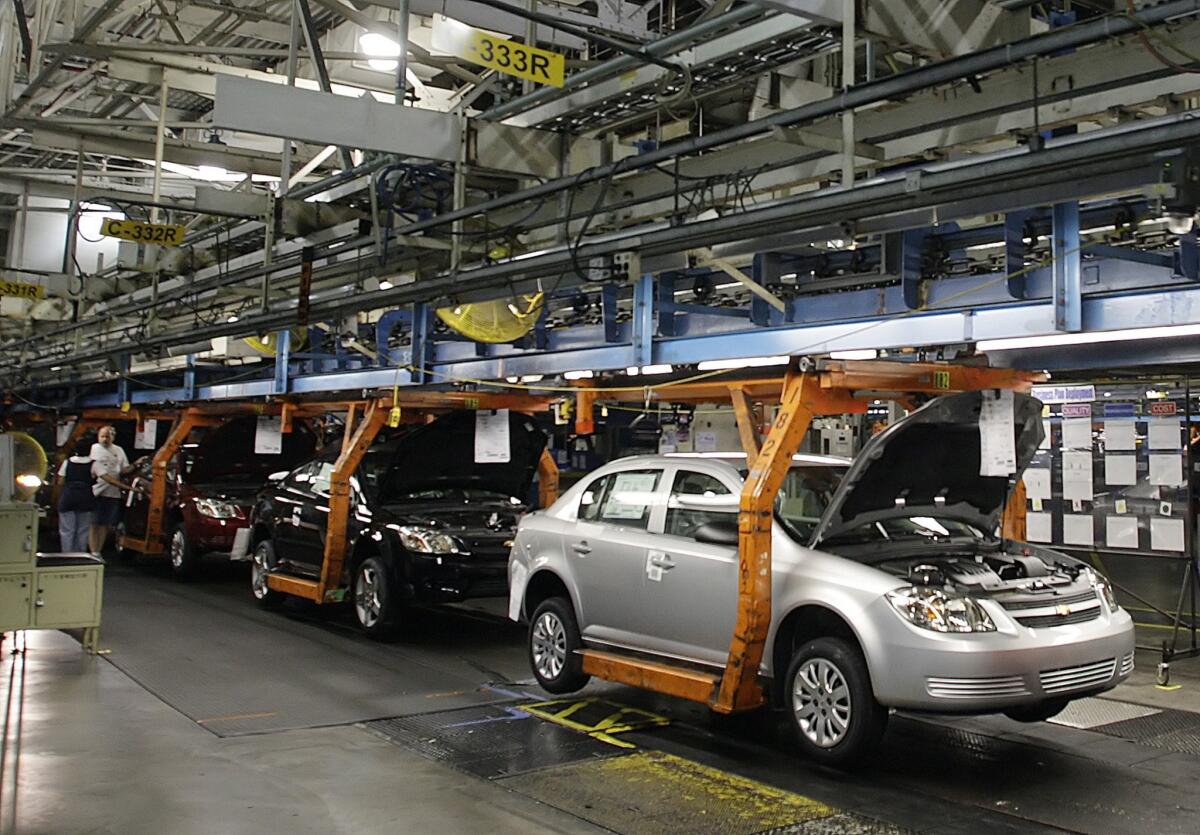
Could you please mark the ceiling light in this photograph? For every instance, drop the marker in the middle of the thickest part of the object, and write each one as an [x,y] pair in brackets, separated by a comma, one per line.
[864,354]
[532,378]
[232,318]
[657,369]
[579,375]
[1058,339]
[385,285]
[751,362]
[211,172]
[380,48]
[512,308]
[56,368]
[633,371]
[513,379]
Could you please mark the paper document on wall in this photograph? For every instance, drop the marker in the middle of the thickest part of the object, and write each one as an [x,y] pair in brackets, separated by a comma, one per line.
[1077,433]
[1166,469]
[1047,438]
[1078,529]
[1077,476]
[147,436]
[631,494]
[1120,436]
[997,444]
[706,442]
[1121,531]
[1166,535]
[491,437]
[1164,433]
[668,441]
[268,436]
[1038,527]
[1120,469]
[63,432]
[1037,483]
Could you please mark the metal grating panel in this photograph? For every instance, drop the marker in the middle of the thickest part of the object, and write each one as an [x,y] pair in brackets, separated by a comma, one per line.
[1127,664]
[1050,621]
[972,688]
[1077,678]
[1095,713]
[1046,603]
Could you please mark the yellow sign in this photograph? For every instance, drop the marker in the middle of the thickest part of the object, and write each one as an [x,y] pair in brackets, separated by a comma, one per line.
[499,53]
[142,233]
[941,379]
[22,290]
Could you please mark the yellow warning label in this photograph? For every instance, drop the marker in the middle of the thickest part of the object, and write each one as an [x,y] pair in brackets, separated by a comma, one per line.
[142,233]
[22,290]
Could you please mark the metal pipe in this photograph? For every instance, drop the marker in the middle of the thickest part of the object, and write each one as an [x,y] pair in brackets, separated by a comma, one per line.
[895,86]
[293,57]
[658,48]
[848,27]
[160,137]
[402,58]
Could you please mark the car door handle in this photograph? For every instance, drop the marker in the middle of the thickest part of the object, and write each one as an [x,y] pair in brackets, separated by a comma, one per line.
[664,562]
[581,548]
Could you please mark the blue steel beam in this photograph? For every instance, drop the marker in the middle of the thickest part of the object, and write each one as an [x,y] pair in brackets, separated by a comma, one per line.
[1068,289]
[643,320]
[283,358]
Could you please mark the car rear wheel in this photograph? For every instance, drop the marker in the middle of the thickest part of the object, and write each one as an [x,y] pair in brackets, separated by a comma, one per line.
[261,565]
[1038,712]
[375,606]
[831,706]
[553,641]
[184,559]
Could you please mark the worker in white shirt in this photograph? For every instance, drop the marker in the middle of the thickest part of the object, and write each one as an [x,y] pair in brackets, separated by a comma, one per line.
[109,465]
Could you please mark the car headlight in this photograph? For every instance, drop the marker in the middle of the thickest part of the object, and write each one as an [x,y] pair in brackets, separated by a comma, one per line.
[425,541]
[217,509]
[1105,590]
[940,611]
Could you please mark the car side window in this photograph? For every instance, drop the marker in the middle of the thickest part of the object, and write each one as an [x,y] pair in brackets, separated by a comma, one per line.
[319,482]
[300,480]
[684,515]
[624,498]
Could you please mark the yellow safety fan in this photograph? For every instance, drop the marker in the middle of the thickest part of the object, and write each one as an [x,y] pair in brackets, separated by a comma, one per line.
[29,465]
[265,343]
[499,320]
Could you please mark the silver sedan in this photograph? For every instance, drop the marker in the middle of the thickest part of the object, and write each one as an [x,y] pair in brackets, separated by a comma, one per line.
[890,587]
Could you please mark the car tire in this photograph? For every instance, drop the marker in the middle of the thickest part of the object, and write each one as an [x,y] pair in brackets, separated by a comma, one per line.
[553,641]
[376,606]
[830,704]
[1039,712]
[182,553]
[261,564]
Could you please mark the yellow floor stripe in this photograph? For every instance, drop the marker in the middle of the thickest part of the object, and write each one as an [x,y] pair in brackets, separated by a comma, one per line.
[614,719]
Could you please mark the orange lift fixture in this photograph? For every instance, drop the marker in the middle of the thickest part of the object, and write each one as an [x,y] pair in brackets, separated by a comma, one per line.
[832,388]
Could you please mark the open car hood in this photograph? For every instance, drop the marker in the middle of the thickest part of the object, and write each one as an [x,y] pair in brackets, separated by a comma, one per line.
[928,465]
[442,454]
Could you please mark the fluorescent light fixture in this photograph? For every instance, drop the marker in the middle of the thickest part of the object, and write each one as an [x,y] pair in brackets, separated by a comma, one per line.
[385,285]
[751,362]
[1058,339]
[212,173]
[513,379]
[863,354]
[56,368]
[633,371]
[532,378]
[657,369]
[382,49]
[232,318]
[579,375]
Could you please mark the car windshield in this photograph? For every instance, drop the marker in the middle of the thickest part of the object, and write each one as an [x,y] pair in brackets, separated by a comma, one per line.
[910,528]
[803,497]
[380,469]
[464,495]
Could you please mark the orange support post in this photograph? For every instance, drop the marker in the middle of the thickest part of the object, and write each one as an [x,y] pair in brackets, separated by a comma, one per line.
[743,411]
[1012,523]
[739,688]
[547,479]
[353,448]
[585,419]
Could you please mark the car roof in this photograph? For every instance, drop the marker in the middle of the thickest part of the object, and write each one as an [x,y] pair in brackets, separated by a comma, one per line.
[740,458]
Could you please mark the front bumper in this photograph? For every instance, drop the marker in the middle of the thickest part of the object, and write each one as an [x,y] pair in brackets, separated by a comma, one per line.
[449,578]
[987,672]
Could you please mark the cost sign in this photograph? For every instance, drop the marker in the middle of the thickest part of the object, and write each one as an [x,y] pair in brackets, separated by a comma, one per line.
[499,53]
[142,233]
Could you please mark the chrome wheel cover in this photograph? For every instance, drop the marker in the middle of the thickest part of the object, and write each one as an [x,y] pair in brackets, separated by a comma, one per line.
[259,570]
[367,604]
[821,702]
[548,644]
[178,547]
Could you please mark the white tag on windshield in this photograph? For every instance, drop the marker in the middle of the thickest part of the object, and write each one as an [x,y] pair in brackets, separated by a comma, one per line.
[268,436]
[491,437]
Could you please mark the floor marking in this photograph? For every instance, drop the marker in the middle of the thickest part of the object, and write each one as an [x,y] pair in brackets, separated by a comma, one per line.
[513,713]
[1168,687]
[617,718]
[236,717]
[444,695]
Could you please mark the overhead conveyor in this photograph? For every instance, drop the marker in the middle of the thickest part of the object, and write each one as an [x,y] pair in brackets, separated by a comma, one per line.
[804,393]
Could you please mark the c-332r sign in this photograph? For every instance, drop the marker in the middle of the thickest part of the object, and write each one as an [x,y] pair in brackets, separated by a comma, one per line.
[142,233]
[452,37]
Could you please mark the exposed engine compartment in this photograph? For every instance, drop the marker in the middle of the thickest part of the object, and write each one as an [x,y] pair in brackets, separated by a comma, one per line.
[989,574]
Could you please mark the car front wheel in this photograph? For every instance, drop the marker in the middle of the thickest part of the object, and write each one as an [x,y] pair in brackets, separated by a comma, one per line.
[375,606]
[261,565]
[184,559]
[831,706]
[553,641]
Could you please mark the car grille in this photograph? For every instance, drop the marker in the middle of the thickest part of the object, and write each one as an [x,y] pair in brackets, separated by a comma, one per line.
[1127,664]
[1076,678]
[1040,621]
[975,688]
[490,546]
[1042,603]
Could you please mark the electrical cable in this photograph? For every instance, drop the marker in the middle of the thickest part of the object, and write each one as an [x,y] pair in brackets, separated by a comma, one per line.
[1148,32]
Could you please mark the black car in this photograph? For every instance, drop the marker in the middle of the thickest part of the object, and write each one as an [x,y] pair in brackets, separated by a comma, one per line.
[427,523]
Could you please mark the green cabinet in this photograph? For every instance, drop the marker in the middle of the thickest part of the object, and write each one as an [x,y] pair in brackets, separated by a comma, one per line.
[16,601]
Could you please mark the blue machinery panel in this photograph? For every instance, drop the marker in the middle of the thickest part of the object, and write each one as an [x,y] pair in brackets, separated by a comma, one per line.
[1122,289]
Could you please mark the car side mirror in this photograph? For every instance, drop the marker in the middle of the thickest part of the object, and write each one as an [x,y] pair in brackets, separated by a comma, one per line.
[718,532]
[279,476]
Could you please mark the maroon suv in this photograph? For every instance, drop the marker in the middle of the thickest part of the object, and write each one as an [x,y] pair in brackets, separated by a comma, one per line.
[211,484]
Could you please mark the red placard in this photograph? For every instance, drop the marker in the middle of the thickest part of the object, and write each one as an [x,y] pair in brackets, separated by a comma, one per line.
[1164,408]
